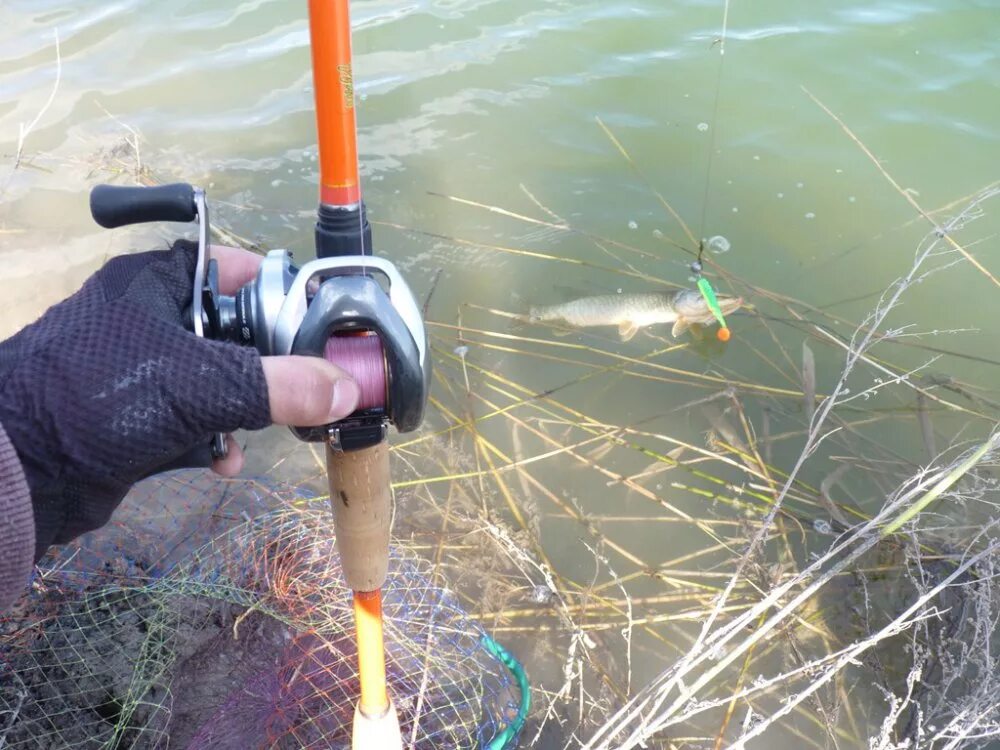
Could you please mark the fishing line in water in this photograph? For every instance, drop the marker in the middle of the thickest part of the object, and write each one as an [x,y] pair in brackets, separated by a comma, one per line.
[715,119]
[704,286]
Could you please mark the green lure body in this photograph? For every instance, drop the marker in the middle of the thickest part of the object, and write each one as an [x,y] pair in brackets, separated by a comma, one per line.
[713,304]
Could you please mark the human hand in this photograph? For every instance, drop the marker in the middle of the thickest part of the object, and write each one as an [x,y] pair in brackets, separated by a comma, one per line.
[302,391]
[108,388]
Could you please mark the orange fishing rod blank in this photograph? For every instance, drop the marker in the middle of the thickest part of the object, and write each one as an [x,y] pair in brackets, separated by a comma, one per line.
[371,653]
[333,78]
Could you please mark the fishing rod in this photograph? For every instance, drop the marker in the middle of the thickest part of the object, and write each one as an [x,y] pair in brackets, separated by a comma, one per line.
[348,306]
[354,309]
[359,478]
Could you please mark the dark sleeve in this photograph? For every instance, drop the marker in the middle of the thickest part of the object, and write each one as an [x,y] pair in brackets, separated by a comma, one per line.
[17,525]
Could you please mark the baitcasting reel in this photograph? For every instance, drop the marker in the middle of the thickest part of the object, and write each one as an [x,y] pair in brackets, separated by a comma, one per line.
[356,310]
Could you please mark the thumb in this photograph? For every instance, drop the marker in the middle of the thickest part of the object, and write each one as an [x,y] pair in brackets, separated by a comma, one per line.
[308,391]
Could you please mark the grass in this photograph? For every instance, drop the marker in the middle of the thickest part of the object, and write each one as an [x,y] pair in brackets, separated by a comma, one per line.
[795,574]
[746,621]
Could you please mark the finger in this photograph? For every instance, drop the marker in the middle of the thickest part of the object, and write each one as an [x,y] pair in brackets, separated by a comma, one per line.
[308,391]
[232,464]
[236,267]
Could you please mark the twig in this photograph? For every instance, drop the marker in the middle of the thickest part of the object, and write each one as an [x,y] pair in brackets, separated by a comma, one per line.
[907,195]
[135,142]
[25,131]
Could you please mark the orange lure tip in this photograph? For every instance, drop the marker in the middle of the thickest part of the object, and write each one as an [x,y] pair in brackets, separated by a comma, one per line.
[723,334]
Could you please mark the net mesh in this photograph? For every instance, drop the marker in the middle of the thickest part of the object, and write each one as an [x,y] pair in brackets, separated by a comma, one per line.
[213,614]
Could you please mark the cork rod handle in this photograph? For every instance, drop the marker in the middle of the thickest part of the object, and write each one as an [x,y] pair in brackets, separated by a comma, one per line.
[361,500]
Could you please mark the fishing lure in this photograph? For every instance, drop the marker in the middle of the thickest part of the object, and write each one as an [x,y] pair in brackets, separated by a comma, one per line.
[708,293]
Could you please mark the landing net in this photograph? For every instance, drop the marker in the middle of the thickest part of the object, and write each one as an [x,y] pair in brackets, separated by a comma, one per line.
[212,614]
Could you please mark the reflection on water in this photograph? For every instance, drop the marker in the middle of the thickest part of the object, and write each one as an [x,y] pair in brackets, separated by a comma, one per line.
[483,160]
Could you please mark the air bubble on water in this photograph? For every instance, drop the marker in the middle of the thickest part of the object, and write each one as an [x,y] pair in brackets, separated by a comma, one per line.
[810,215]
[364,97]
[659,486]
[619,290]
[781,195]
[633,225]
[276,183]
[822,526]
[718,244]
[291,171]
[800,184]
[851,199]
[729,182]
[839,170]
[736,210]
[756,157]
[461,351]
[702,126]
[658,234]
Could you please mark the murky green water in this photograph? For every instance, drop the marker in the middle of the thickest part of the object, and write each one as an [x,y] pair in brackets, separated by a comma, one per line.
[497,103]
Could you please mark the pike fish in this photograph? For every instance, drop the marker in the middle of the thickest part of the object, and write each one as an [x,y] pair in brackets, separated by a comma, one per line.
[630,312]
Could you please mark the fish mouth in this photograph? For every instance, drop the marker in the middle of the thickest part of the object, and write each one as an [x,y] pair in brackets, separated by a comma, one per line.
[726,304]
[730,304]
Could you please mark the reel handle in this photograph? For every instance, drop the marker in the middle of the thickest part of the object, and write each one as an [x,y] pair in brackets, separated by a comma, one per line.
[118,205]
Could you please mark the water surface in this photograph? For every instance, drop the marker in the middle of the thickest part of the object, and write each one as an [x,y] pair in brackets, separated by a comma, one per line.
[497,103]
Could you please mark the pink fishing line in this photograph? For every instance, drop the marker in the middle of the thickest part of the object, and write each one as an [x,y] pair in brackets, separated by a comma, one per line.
[363,358]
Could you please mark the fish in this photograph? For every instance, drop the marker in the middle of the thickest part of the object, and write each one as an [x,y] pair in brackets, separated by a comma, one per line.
[633,311]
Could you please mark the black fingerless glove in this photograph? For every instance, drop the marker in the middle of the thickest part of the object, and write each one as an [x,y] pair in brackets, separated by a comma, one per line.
[108,388]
